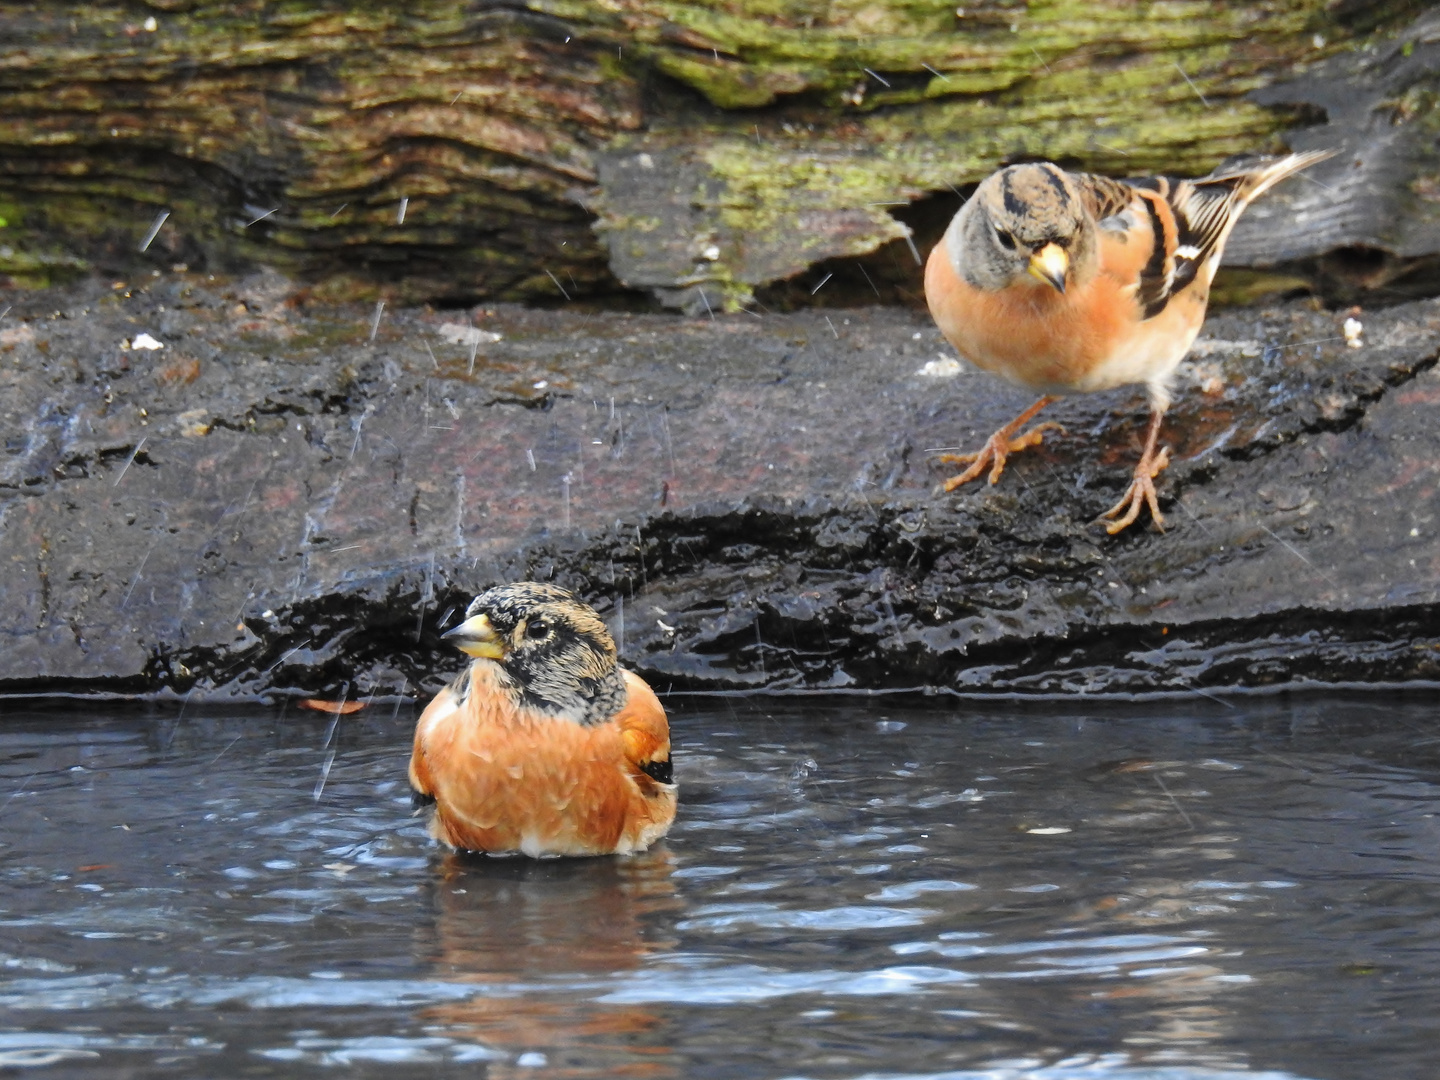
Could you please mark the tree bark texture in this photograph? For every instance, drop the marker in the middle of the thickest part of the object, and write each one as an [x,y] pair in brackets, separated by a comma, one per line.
[700,151]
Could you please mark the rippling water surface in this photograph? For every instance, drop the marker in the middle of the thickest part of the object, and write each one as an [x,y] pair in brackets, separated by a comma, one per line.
[851,890]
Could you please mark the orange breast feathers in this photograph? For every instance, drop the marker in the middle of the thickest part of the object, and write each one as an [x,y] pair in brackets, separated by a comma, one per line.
[1050,342]
[507,778]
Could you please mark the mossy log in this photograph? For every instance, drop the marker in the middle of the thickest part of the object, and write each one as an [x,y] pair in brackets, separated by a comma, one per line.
[441,151]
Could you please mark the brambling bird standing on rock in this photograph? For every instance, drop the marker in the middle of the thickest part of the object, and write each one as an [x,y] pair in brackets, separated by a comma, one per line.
[1067,283]
[543,745]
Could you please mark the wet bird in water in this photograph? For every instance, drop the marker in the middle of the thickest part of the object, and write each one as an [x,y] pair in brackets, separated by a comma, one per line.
[1067,283]
[543,745]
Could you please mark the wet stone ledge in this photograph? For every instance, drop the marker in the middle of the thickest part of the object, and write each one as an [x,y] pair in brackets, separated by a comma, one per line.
[279,502]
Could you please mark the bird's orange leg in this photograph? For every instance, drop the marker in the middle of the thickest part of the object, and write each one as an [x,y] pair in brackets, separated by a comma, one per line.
[1000,445]
[1142,488]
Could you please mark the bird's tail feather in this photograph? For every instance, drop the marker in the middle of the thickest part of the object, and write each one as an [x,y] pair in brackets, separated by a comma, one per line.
[1252,177]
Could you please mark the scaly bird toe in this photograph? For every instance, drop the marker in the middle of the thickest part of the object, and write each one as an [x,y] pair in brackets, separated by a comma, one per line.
[996,449]
[1140,493]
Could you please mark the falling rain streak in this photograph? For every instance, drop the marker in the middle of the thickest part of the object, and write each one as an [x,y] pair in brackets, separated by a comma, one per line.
[324,775]
[129,461]
[553,278]
[154,229]
[868,281]
[1191,82]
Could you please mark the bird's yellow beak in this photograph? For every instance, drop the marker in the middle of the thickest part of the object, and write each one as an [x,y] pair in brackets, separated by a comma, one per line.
[476,637]
[1050,265]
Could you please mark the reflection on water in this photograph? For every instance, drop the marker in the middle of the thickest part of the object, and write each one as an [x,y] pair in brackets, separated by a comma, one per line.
[502,922]
[851,890]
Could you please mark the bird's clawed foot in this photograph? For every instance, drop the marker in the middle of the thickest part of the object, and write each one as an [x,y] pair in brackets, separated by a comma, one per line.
[993,454]
[1141,493]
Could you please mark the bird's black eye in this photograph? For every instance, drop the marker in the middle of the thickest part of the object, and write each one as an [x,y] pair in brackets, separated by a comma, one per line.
[537,629]
[1006,240]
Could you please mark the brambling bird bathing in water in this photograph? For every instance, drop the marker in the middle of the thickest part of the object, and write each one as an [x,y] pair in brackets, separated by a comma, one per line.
[1067,283]
[543,745]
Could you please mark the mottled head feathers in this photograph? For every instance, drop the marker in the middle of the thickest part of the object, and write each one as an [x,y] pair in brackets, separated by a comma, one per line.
[555,652]
[1024,220]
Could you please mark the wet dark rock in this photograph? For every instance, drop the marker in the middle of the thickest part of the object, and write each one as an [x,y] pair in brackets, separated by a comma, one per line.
[274,502]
